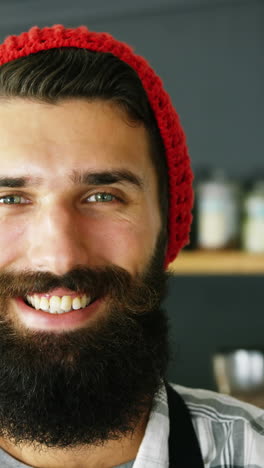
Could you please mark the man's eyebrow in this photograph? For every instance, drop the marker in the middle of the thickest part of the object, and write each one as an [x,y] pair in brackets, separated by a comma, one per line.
[107,178]
[17,182]
[79,178]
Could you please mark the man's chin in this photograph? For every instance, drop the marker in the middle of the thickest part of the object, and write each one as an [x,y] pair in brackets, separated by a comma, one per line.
[83,387]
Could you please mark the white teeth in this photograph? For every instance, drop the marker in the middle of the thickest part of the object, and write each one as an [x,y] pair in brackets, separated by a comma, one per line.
[76,303]
[54,304]
[84,300]
[36,302]
[58,305]
[66,303]
[44,304]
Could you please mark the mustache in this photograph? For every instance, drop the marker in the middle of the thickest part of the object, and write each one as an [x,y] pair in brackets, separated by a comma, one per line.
[138,293]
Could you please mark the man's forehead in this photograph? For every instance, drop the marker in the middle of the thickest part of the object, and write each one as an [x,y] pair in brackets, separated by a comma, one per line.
[96,126]
[80,114]
[100,147]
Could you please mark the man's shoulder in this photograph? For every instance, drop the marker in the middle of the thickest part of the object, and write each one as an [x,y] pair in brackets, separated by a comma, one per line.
[218,407]
[227,429]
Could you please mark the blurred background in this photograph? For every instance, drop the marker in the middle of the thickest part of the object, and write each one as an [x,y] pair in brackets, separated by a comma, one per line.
[209,54]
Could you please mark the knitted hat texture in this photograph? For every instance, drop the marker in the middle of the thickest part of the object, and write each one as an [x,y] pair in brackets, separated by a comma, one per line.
[178,161]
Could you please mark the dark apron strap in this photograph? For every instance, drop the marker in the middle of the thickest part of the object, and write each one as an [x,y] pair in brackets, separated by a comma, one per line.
[184,448]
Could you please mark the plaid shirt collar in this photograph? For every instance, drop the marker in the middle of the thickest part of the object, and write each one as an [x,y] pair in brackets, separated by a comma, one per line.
[153,451]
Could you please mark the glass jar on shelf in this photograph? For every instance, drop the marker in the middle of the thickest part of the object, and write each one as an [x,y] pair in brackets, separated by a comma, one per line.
[218,212]
[253,224]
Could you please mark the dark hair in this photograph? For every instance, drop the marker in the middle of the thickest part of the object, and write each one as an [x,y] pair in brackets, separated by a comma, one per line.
[56,74]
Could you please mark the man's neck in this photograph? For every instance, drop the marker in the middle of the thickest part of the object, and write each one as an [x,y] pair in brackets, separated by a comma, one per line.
[111,454]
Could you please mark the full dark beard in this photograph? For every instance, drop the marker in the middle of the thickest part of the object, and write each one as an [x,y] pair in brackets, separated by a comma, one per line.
[89,385]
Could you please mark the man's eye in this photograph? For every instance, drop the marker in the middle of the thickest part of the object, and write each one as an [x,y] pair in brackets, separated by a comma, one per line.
[12,200]
[101,197]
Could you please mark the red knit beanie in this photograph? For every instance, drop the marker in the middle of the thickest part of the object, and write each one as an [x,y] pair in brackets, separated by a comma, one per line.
[178,161]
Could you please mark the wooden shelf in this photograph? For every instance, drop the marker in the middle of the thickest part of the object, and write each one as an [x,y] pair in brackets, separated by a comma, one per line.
[217,263]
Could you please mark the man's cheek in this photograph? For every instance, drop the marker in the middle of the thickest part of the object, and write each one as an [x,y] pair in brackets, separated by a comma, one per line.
[11,243]
[125,244]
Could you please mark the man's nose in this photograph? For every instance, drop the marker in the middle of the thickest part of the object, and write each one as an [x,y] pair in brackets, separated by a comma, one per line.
[56,240]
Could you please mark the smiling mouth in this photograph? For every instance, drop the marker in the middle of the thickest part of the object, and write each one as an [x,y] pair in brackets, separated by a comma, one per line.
[58,304]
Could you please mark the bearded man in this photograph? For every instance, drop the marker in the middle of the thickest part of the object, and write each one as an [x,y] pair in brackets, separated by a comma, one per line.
[95,201]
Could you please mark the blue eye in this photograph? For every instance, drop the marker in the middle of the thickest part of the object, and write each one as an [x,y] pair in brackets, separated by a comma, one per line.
[101,197]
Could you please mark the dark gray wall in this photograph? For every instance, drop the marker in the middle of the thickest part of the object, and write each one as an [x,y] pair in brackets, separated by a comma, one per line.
[210,56]
[206,314]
